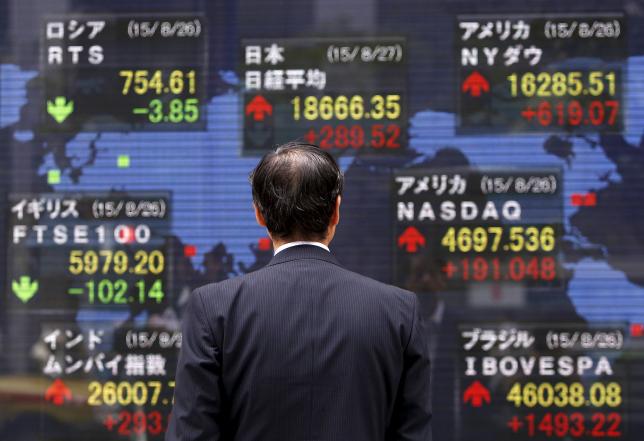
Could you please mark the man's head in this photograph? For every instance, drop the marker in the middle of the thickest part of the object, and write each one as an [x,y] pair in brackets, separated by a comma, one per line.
[296,193]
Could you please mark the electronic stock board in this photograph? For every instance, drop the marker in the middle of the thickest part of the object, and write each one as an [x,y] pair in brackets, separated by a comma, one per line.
[493,166]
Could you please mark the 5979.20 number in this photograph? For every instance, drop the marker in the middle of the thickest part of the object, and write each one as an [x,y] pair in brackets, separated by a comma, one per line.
[115,261]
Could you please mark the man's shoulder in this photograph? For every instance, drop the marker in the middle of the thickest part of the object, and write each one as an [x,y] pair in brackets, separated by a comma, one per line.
[222,287]
[376,286]
[224,292]
[388,296]
[229,287]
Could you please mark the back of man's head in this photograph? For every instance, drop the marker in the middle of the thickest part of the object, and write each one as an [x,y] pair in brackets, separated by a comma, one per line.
[295,189]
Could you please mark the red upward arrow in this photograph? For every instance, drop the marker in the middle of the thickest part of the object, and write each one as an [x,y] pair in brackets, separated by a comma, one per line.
[475,394]
[475,83]
[259,107]
[58,392]
[410,239]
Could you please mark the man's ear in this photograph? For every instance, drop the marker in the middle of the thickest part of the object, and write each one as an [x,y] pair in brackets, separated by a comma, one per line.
[258,216]
[335,217]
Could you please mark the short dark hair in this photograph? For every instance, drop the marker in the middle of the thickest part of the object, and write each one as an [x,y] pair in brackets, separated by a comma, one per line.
[295,188]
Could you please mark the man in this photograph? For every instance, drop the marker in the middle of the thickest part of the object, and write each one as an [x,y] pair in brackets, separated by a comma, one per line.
[301,349]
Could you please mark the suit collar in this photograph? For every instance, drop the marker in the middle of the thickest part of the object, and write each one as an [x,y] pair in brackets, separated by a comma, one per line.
[303,252]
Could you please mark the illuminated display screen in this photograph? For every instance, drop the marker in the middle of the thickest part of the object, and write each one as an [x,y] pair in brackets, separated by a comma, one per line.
[479,226]
[120,72]
[518,74]
[305,89]
[492,154]
[547,380]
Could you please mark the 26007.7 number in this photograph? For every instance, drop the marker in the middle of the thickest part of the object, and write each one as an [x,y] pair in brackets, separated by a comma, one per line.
[124,393]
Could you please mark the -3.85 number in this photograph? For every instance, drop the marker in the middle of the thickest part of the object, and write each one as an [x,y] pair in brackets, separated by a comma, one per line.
[176,111]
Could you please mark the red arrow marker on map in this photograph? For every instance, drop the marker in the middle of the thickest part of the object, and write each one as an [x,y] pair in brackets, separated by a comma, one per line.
[264,244]
[583,200]
[189,250]
[410,239]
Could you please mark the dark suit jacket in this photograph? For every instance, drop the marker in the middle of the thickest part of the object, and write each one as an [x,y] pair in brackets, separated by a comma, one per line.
[302,350]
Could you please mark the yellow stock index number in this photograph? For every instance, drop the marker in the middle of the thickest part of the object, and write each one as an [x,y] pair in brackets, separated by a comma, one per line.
[89,262]
[344,107]
[564,395]
[125,393]
[145,81]
[490,239]
[559,84]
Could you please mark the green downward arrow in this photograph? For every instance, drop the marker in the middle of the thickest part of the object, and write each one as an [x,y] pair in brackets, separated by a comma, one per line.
[25,289]
[60,109]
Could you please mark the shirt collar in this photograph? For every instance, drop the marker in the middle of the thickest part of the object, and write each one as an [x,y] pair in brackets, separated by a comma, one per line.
[303,252]
[299,242]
